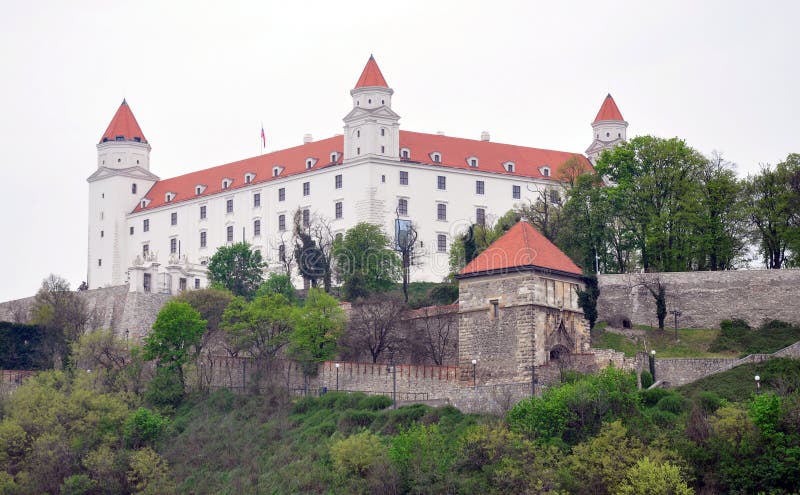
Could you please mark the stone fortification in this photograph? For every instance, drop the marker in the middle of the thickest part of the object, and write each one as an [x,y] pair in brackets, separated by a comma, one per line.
[703,298]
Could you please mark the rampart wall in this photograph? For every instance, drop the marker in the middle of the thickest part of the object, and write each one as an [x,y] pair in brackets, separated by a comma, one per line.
[703,298]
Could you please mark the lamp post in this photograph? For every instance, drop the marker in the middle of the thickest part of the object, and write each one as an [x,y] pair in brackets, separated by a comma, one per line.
[393,369]
[474,375]
[127,345]
[337,377]
[758,384]
[653,364]
[676,313]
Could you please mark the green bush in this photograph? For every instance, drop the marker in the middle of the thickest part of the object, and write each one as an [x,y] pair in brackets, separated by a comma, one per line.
[78,484]
[651,397]
[353,420]
[143,427]
[165,390]
[673,402]
[647,379]
[709,401]
[375,402]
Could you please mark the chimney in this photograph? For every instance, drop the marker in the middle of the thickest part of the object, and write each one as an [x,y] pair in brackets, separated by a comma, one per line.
[485,136]
[307,138]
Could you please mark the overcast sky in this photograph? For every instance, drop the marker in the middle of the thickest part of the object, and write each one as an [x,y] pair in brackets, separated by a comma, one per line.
[202,76]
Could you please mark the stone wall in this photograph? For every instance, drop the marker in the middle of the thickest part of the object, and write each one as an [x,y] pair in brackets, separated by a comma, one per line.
[704,298]
[109,307]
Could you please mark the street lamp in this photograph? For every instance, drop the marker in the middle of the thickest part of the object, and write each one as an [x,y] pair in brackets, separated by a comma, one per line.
[474,376]
[758,384]
[393,369]
[653,364]
[337,377]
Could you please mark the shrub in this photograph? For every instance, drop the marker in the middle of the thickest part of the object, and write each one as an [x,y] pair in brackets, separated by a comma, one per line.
[77,484]
[651,397]
[375,402]
[673,402]
[143,427]
[647,379]
[709,401]
[165,390]
[354,420]
[356,454]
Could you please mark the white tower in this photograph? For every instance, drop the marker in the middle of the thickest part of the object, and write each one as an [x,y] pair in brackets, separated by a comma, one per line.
[122,178]
[608,129]
[371,128]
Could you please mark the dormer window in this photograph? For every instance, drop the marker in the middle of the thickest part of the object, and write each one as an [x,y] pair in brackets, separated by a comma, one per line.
[310,162]
[473,161]
[248,177]
[144,202]
[169,197]
[509,166]
[199,189]
[405,153]
[276,171]
[436,157]
[120,138]
[334,156]
[545,171]
[137,139]
[226,183]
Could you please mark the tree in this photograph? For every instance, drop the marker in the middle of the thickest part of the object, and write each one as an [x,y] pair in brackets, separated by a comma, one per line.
[569,171]
[177,329]
[545,213]
[211,304]
[650,478]
[659,292]
[318,326]
[278,284]
[477,238]
[61,313]
[260,327]
[587,299]
[365,259]
[439,334]
[374,325]
[237,268]
[313,248]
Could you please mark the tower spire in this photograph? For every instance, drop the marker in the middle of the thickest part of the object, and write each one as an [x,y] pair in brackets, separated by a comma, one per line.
[608,129]
[123,126]
[371,76]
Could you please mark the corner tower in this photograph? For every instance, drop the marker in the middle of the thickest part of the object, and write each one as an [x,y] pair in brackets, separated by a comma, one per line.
[608,129]
[371,127]
[115,188]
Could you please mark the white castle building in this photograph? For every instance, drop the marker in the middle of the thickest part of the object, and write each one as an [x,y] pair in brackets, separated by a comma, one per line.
[157,235]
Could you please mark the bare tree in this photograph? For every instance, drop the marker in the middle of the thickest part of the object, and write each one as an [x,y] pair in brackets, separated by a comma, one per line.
[286,254]
[544,213]
[656,288]
[61,312]
[439,333]
[374,325]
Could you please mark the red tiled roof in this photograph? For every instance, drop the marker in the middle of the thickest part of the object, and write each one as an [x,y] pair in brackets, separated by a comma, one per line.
[123,124]
[371,76]
[521,247]
[609,110]
[454,154]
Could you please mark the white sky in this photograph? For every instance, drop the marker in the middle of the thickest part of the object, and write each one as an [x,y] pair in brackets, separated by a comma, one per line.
[201,77]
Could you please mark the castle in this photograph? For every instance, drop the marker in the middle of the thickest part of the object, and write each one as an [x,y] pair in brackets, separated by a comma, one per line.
[157,235]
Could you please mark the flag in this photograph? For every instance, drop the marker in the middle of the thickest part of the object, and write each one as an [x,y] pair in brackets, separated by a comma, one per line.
[263,137]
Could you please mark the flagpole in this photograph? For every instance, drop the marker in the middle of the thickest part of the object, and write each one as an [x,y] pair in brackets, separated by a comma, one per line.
[262,137]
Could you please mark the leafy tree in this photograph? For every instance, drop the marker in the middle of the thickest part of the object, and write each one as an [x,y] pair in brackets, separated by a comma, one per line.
[366,260]
[22,347]
[317,329]
[649,478]
[236,268]
[477,238]
[177,329]
[61,313]
[260,327]
[545,213]
[587,299]
[278,284]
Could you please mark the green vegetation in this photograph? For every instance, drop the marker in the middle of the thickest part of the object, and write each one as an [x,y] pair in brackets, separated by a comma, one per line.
[236,268]
[692,342]
[778,376]
[737,336]
[365,261]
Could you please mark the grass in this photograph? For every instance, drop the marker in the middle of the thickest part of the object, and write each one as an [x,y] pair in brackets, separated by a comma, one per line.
[738,384]
[692,342]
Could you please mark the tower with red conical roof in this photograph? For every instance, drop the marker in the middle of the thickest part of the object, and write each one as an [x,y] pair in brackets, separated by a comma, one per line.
[608,129]
[117,186]
[372,128]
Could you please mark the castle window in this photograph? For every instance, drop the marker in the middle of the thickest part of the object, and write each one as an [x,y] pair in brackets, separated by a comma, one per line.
[146,225]
[619,135]
[383,102]
[306,218]
[181,284]
[338,209]
[405,153]
[436,157]
[337,181]
[608,134]
[131,230]
[509,166]
[546,171]
[479,187]
[282,223]
[516,192]
[282,194]
[309,163]
[306,188]
[441,243]
[282,252]
[99,262]
[276,171]
[358,151]
[203,239]
[495,307]
[173,246]
[402,206]
[102,233]
[383,179]
[369,100]
[256,200]
[480,216]
[383,149]
[173,218]
[137,162]
[145,250]
[102,215]
[137,139]
[197,283]
[383,131]
[256,228]
[248,177]
[441,182]
[169,197]
[120,138]
[225,183]
[555,198]
[334,157]
[229,206]
[203,212]
[229,233]
[358,133]
[147,282]
[119,160]
[441,212]
[403,178]
[198,190]
[133,188]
